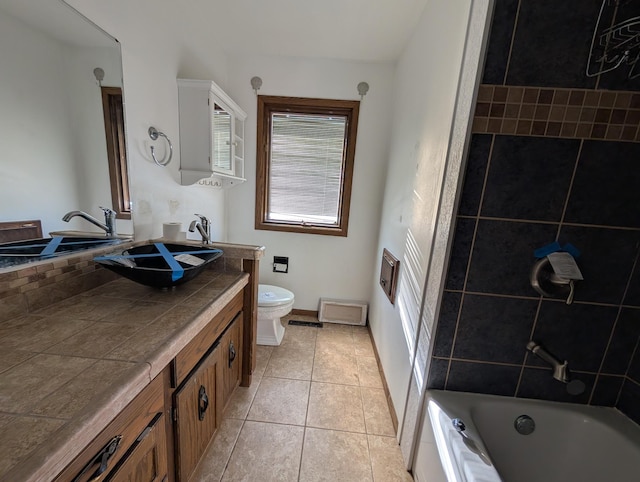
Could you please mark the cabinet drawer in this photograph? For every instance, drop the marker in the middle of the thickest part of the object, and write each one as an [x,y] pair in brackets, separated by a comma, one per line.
[146,460]
[198,409]
[119,437]
[202,342]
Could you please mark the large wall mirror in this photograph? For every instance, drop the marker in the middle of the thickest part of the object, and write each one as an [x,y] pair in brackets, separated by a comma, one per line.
[54,125]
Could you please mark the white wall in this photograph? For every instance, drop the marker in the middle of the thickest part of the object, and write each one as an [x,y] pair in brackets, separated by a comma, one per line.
[37,175]
[157,48]
[424,99]
[319,266]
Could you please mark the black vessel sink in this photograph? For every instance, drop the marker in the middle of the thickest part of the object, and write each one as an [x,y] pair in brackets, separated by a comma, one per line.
[161,265]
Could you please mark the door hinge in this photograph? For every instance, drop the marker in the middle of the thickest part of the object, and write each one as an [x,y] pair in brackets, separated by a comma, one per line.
[174,414]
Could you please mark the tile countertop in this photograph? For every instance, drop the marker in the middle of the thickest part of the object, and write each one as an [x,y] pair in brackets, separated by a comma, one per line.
[68,369]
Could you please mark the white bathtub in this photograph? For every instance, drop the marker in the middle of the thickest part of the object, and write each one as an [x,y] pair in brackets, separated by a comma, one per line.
[570,442]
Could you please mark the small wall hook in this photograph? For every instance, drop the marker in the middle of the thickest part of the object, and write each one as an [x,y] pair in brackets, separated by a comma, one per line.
[154,134]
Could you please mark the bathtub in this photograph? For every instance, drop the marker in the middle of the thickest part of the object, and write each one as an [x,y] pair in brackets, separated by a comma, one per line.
[473,439]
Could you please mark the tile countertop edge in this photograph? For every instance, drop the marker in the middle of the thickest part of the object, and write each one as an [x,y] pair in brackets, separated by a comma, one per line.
[53,455]
[162,357]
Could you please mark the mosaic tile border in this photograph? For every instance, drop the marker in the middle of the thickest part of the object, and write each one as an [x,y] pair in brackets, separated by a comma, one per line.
[566,113]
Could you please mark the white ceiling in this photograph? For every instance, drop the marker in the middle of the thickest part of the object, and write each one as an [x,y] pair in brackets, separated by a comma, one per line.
[366,30]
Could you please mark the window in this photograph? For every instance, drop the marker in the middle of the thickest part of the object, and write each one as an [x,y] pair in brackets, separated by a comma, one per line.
[116,151]
[304,163]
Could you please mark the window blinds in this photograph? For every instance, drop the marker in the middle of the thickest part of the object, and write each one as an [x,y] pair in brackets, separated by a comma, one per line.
[306,168]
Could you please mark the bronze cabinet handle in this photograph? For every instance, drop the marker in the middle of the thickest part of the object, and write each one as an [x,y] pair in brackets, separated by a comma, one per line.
[104,456]
[232,354]
[203,402]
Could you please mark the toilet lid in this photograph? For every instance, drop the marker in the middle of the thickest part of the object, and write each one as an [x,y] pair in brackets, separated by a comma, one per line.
[273,295]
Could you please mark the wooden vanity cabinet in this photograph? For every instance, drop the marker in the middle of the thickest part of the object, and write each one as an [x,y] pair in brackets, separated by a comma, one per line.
[205,372]
[132,448]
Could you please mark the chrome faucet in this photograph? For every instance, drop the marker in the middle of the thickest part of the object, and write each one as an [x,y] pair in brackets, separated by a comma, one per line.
[203,226]
[560,370]
[109,225]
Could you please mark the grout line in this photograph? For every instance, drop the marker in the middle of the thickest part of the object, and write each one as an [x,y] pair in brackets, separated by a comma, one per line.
[513,37]
[570,189]
[473,242]
[526,353]
[537,221]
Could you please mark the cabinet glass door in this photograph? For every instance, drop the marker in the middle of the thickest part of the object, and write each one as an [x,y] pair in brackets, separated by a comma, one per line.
[221,139]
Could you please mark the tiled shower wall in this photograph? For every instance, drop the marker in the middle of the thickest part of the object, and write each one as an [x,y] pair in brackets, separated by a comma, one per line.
[562,166]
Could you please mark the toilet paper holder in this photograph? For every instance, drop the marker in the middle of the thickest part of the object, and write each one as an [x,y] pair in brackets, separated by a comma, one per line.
[555,272]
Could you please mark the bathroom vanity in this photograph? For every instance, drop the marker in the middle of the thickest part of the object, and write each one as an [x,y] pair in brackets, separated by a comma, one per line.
[123,381]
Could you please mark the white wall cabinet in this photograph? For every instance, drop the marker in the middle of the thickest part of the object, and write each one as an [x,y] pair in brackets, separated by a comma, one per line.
[211,135]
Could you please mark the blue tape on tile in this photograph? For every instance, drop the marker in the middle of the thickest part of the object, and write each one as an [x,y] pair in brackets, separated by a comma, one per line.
[547,250]
[52,246]
[571,249]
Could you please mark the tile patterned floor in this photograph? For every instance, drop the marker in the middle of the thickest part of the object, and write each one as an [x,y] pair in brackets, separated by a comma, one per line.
[316,411]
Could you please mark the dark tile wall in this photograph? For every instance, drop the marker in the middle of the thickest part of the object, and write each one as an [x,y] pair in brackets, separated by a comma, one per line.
[524,191]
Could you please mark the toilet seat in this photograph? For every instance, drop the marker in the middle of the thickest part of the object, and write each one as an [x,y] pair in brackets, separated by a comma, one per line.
[269,295]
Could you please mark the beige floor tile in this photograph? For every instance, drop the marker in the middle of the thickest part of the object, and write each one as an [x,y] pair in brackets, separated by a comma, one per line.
[386,460]
[280,400]
[335,456]
[337,327]
[215,459]
[376,412]
[266,452]
[335,368]
[368,372]
[336,407]
[263,354]
[241,400]
[335,343]
[299,335]
[290,362]
[362,344]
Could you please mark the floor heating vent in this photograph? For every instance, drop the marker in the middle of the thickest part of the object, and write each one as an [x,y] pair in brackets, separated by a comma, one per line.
[343,311]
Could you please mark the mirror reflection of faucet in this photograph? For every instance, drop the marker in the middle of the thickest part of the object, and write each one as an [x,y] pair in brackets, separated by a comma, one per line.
[560,370]
[109,225]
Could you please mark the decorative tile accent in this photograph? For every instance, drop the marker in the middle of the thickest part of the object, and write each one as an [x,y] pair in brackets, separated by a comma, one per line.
[552,112]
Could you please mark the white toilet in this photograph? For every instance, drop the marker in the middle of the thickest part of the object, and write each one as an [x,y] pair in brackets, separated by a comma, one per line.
[273,303]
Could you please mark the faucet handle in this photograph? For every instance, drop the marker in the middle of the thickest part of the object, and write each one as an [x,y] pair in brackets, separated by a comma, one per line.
[202,217]
[107,211]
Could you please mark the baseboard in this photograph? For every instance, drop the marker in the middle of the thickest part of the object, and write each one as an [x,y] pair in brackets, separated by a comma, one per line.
[304,312]
[387,394]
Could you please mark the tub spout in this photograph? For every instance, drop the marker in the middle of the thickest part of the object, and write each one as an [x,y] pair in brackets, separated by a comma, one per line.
[560,370]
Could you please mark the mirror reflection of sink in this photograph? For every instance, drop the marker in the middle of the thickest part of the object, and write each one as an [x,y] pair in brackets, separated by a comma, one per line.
[90,234]
[49,247]
[161,265]
[21,252]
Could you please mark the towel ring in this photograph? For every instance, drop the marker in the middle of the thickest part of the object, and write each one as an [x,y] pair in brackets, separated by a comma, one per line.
[154,133]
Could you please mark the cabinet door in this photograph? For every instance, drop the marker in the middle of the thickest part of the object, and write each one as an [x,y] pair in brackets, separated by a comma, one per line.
[146,461]
[231,354]
[198,411]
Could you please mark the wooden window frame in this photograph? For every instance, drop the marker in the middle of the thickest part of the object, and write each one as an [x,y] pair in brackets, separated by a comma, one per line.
[116,151]
[268,105]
